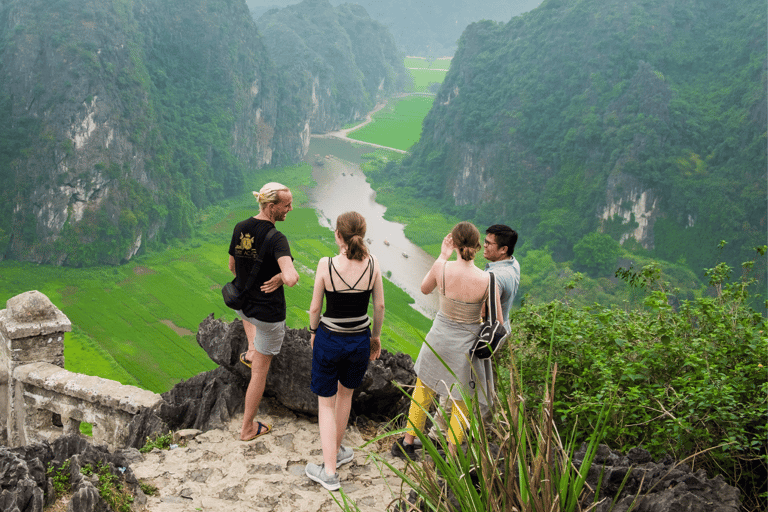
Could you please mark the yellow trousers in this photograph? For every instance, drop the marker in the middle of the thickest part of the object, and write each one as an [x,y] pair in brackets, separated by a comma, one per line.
[417,417]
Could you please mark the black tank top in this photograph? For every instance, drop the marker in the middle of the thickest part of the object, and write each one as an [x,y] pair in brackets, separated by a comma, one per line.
[347,310]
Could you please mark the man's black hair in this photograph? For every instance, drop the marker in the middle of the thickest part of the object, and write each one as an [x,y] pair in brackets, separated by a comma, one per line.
[505,237]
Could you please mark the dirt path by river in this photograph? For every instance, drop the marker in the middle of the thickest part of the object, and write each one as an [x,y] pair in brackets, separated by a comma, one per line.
[343,134]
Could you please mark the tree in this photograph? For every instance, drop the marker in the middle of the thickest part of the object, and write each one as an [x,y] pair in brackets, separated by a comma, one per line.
[596,254]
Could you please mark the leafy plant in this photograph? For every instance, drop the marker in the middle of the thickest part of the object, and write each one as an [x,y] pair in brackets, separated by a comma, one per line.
[60,478]
[161,441]
[87,470]
[148,489]
[112,490]
[517,462]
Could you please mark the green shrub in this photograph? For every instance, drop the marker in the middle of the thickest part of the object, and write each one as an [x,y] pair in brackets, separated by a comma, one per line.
[148,489]
[112,490]
[683,380]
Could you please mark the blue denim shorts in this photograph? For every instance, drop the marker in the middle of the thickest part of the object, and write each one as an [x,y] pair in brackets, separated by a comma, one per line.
[339,358]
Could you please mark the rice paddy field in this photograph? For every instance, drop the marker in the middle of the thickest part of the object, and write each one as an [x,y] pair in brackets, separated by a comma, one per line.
[427,72]
[423,78]
[136,323]
[398,125]
[421,62]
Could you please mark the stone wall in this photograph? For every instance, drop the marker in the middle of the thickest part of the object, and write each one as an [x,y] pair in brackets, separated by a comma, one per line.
[39,399]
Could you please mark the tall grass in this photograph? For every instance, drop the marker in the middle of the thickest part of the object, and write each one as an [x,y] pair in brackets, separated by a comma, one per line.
[514,461]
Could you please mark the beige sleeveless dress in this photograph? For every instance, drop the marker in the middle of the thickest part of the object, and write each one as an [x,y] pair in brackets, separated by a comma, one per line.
[453,332]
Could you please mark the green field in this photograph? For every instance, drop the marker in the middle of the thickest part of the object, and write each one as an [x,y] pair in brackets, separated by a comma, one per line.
[135,323]
[421,62]
[422,78]
[398,125]
[426,72]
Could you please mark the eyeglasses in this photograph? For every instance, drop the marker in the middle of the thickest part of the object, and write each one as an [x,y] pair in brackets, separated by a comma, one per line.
[486,242]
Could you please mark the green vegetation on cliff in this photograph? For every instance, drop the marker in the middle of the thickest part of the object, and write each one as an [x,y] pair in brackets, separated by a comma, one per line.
[687,378]
[121,119]
[336,60]
[562,115]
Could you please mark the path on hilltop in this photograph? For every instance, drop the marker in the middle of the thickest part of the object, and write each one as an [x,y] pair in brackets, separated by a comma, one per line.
[216,471]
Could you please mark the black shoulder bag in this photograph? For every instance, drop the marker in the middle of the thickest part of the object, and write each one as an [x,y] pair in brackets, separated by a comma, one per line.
[492,333]
[235,298]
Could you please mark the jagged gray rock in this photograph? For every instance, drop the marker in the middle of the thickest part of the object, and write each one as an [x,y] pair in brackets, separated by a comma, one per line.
[23,482]
[223,342]
[20,490]
[209,400]
[25,497]
[661,486]
[87,497]
[290,372]
[205,401]
[27,488]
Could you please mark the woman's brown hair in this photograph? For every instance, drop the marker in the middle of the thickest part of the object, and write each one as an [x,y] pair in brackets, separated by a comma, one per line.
[351,228]
[466,238]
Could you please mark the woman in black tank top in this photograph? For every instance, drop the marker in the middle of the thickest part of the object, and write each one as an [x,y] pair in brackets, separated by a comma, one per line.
[343,339]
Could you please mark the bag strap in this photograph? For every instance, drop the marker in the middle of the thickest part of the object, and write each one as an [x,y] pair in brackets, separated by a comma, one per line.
[491,305]
[444,264]
[259,259]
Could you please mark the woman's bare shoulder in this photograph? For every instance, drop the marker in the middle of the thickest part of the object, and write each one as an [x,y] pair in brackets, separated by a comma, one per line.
[322,265]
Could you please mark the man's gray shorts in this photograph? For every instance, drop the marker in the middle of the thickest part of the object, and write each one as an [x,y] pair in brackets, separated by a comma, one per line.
[269,335]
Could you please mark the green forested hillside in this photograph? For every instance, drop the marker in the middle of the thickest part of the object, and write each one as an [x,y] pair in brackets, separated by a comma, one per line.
[621,116]
[122,117]
[336,60]
[426,28]
[119,119]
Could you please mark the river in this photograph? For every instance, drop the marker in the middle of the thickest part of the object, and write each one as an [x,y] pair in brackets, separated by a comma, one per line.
[341,187]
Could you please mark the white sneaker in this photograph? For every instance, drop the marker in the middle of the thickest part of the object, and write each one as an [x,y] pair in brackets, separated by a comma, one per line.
[345,455]
[318,474]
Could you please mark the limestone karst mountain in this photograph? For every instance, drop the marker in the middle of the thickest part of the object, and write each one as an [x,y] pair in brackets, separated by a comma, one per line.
[119,119]
[645,120]
[428,28]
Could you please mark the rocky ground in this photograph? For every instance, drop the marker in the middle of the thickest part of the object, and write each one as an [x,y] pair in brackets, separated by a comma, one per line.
[216,471]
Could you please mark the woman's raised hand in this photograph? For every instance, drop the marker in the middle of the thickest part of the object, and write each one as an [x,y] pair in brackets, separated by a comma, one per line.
[447,248]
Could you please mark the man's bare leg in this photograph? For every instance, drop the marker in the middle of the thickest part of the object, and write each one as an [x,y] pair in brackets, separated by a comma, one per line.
[259,370]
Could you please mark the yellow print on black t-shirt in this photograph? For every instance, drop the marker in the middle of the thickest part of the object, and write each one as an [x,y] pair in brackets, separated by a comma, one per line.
[245,248]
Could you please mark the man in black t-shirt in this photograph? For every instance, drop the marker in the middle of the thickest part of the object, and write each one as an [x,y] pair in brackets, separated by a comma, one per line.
[264,313]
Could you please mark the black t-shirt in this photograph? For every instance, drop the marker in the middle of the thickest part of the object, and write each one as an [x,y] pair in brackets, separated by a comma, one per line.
[245,245]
